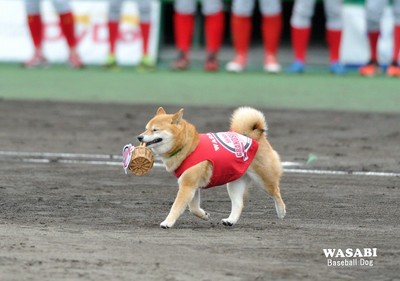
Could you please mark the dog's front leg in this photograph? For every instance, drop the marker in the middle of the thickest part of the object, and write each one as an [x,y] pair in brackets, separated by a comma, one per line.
[189,182]
[184,196]
[195,209]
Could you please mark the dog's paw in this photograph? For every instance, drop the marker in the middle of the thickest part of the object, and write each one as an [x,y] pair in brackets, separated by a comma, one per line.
[206,216]
[280,210]
[227,222]
[200,213]
[165,225]
[282,214]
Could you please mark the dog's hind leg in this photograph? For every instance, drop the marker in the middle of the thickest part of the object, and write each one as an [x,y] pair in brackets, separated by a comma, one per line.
[280,207]
[194,207]
[271,185]
[236,190]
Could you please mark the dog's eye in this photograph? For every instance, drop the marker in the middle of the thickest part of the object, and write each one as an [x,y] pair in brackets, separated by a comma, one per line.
[155,129]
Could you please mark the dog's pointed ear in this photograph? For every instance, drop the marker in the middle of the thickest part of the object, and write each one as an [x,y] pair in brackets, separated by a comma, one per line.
[177,117]
[160,110]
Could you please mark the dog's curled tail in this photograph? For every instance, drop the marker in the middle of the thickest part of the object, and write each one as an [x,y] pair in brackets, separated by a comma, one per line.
[249,122]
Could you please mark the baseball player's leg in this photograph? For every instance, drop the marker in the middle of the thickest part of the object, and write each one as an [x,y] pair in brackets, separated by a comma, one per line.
[214,31]
[300,22]
[67,25]
[36,31]
[66,21]
[396,32]
[374,11]
[394,68]
[145,14]
[334,24]
[271,11]
[183,30]
[114,13]
[241,27]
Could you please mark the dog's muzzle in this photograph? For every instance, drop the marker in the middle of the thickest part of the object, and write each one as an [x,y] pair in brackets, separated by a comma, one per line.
[148,143]
[157,140]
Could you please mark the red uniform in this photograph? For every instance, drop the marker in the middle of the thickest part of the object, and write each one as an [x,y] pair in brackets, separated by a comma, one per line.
[230,154]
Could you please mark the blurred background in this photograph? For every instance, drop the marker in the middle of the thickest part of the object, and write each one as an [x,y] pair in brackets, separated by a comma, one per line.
[91,30]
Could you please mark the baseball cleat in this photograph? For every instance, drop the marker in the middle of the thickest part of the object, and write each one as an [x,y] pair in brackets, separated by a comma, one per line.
[74,60]
[369,70]
[211,63]
[181,63]
[146,64]
[337,68]
[393,70]
[111,62]
[271,64]
[37,61]
[238,64]
[296,67]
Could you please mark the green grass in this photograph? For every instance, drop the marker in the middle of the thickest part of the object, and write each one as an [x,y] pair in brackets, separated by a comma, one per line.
[308,91]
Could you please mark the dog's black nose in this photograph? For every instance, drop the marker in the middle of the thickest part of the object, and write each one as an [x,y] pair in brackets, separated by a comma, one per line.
[140,138]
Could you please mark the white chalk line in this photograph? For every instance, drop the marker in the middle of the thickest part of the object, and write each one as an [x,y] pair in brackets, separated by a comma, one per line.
[53,157]
[333,172]
[59,155]
[85,162]
[101,159]
[40,157]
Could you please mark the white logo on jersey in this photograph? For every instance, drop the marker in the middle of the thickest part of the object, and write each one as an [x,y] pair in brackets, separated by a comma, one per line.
[233,142]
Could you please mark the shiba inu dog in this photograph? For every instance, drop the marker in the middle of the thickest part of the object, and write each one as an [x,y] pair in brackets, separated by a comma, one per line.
[201,161]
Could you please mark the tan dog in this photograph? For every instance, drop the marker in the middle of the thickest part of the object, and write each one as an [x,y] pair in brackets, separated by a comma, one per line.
[174,139]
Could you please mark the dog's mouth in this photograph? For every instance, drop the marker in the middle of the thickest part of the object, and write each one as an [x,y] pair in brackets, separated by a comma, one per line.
[157,140]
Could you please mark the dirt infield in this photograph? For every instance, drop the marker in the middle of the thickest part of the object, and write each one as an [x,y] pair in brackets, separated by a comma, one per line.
[61,221]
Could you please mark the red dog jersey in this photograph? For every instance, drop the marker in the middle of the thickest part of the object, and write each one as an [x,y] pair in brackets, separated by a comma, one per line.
[230,154]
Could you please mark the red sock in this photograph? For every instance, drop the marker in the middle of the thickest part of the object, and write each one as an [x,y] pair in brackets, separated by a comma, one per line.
[300,38]
[183,29]
[36,29]
[241,32]
[271,31]
[373,37]
[396,43]
[214,29]
[145,30]
[333,37]
[67,26]
[113,32]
